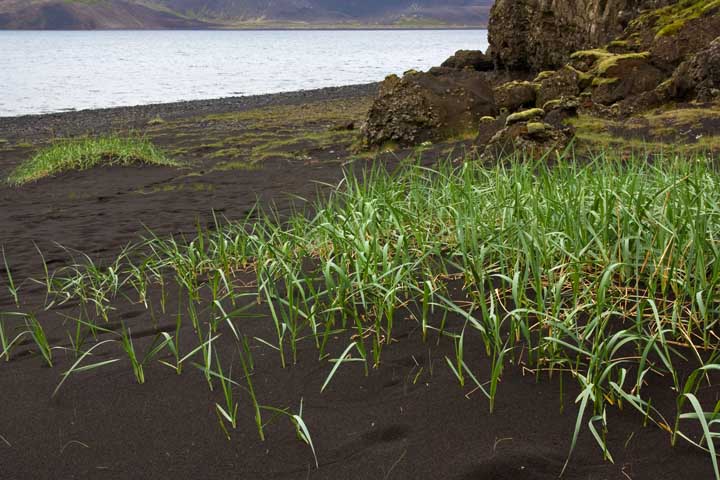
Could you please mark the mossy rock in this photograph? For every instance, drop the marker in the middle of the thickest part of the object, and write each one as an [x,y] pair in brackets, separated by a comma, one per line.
[566,82]
[585,60]
[544,75]
[595,54]
[619,47]
[551,105]
[611,61]
[598,81]
[516,95]
[534,128]
[525,116]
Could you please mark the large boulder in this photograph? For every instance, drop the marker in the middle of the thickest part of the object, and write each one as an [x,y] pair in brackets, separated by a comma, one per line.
[533,139]
[472,59]
[428,107]
[618,77]
[541,34]
[697,78]
[565,82]
[516,95]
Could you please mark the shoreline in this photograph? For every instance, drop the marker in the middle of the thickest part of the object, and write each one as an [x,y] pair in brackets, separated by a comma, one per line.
[102,119]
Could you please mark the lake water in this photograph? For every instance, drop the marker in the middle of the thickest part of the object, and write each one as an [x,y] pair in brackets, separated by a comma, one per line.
[44,71]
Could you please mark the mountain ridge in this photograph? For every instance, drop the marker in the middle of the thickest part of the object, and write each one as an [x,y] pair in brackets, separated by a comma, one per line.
[177,14]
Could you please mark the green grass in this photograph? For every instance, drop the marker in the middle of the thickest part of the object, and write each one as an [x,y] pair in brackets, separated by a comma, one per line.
[85,153]
[603,272]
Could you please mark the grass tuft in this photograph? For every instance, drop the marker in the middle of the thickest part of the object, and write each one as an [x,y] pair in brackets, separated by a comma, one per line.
[82,154]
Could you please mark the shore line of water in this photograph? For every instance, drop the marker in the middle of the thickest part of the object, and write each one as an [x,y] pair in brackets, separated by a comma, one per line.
[103,119]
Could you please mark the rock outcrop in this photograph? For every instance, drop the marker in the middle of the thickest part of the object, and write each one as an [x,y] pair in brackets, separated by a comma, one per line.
[526,131]
[697,78]
[516,95]
[472,59]
[554,60]
[423,107]
[541,34]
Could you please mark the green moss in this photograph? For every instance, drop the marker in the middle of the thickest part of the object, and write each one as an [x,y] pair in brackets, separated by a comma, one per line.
[463,136]
[525,115]
[228,153]
[234,165]
[598,81]
[595,54]
[651,132]
[683,116]
[671,19]
[536,127]
[551,104]
[610,61]
[179,187]
[544,75]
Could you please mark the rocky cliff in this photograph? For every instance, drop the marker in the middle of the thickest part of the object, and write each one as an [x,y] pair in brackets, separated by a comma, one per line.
[609,62]
[541,34]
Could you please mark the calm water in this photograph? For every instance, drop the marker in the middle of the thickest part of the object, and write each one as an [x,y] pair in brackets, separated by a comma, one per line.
[44,72]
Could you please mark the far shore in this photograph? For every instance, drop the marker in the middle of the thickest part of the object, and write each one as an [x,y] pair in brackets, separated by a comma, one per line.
[262,28]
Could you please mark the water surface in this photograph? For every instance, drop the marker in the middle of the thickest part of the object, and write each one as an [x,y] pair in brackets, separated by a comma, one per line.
[50,71]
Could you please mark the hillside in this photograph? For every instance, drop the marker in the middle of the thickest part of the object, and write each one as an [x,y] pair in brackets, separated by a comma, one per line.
[168,14]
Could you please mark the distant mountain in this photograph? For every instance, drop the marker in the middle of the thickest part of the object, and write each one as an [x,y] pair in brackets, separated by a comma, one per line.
[168,14]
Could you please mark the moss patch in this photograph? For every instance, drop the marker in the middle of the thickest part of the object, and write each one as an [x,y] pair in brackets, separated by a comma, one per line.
[525,115]
[667,21]
[682,130]
[608,62]
[593,55]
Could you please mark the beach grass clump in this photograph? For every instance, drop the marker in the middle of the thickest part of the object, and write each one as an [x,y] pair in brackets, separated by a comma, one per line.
[84,153]
[604,272]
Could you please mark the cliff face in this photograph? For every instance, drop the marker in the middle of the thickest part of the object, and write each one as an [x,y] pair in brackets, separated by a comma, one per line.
[541,34]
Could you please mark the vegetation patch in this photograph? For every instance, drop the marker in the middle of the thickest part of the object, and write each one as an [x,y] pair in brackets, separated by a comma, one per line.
[605,274]
[606,63]
[594,55]
[669,20]
[234,165]
[85,153]
[682,131]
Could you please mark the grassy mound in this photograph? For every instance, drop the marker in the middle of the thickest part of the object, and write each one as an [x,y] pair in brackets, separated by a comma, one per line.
[85,153]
